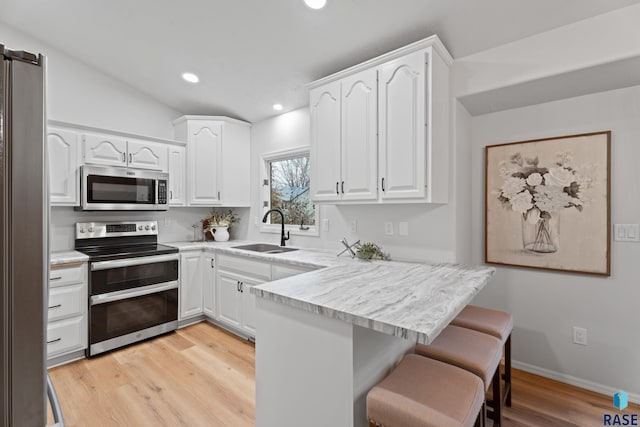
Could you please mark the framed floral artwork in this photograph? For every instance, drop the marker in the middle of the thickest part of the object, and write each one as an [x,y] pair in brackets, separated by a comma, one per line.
[547,203]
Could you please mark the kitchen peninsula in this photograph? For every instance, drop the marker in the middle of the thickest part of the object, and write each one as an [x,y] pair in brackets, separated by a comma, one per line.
[324,338]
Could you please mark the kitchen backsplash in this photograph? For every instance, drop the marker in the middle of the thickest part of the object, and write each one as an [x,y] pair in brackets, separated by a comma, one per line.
[173,225]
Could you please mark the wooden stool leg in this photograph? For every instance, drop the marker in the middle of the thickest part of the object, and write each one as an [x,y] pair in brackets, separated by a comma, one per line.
[497,399]
[507,369]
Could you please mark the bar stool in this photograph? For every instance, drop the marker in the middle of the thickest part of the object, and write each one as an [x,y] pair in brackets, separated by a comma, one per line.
[491,322]
[422,392]
[472,351]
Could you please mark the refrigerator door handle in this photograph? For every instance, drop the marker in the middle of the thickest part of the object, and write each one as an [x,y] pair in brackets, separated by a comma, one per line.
[55,404]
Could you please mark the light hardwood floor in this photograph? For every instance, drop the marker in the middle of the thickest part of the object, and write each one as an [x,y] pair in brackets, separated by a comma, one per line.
[204,376]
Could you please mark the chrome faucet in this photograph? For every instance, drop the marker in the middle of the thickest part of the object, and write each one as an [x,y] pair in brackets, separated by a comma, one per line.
[264,219]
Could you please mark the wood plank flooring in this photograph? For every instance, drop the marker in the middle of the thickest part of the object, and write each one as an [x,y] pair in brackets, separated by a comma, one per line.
[203,376]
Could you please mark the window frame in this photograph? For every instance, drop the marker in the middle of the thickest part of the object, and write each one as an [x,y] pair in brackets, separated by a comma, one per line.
[265,192]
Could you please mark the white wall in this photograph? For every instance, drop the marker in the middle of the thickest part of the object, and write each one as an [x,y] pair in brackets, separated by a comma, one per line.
[432,235]
[546,305]
[81,94]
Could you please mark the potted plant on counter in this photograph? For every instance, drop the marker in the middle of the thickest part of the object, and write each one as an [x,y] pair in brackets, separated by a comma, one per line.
[216,225]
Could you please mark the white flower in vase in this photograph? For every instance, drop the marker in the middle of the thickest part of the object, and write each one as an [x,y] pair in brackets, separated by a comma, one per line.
[558,176]
[521,202]
[533,216]
[512,186]
[534,179]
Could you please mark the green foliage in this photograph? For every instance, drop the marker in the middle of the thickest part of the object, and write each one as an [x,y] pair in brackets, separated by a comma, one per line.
[368,251]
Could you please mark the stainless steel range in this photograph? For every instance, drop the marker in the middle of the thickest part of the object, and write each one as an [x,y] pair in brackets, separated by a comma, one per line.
[133,283]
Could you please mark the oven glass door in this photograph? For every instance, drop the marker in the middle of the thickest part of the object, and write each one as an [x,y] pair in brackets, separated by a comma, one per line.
[120,190]
[119,275]
[124,315]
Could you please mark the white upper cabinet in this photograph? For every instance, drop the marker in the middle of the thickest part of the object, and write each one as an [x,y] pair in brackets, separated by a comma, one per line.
[147,155]
[325,142]
[359,136]
[64,163]
[109,150]
[205,159]
[402,127]
[177,175]
[218,160]
[105,150]
[393,117]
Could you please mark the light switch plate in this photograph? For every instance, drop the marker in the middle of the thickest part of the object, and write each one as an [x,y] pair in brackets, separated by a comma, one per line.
[388,228]
[353,226]
[626,232]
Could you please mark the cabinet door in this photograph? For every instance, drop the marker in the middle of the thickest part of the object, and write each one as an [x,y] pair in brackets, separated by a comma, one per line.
[104,150]
[235,187]
[205,160]
[177,175]
[190,285]
[402,127]
[248,306]
[209,285]
[325,142]
[359,136]
[146,155]
[63,147]
[229,299]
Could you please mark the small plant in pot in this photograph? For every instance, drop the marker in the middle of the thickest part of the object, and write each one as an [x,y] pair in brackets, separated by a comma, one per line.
[216,225]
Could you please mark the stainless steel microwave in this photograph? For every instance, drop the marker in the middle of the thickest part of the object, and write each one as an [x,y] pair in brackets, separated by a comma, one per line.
[123,189]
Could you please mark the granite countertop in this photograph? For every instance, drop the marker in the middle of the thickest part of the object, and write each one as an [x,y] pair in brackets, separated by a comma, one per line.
[65,257]
[410,300]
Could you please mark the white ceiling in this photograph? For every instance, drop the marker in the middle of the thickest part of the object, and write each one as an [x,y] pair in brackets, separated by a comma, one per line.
[250,54]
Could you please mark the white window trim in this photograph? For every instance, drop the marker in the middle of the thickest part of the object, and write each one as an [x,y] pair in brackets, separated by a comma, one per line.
[265,193]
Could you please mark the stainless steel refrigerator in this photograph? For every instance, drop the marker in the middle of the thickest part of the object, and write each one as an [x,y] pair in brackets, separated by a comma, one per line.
[24,242]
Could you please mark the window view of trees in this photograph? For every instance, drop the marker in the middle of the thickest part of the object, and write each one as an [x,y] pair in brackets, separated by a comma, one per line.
[289,180]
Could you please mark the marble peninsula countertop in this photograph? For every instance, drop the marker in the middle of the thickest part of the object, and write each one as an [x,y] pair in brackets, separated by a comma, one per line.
[410,300]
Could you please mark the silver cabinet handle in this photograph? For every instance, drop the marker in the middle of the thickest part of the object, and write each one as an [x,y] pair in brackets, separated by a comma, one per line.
[242,287]
[103,265]
[212,266]
[171,194]
[56,340]
[55,306]
[55,278]
[130,158]
[383,184]
[138,292]
[124,158]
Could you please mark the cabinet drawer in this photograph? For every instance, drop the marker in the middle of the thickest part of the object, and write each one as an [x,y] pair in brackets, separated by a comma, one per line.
[280,271]
[245,266]
[62,275]
[66,301]
[65,335]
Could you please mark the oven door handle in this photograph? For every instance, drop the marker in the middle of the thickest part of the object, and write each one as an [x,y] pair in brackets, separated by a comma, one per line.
[128,293]
[104,265]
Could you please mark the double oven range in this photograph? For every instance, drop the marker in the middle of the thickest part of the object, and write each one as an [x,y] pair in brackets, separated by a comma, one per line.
[133,283]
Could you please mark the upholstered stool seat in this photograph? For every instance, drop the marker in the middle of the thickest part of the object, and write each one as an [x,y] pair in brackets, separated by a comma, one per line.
[472,351]
[422,392]
[492,322]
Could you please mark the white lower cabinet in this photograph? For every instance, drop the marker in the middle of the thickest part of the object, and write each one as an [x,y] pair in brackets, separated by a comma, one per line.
[229,299]
[191,289]
[219,286]
[67,309]
[236,303]
[209,285]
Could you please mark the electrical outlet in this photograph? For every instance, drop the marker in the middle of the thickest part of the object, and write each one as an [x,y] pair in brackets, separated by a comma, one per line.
[403,228]
[579,335]
[388,228]
[353,226]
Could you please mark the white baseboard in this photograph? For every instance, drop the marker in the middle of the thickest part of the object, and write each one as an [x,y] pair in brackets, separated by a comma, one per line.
[571,380]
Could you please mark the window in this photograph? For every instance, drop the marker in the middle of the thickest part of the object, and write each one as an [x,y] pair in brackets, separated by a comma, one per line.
[286,181]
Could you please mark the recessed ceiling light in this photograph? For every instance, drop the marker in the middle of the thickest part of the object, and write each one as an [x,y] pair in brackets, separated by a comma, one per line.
[277,107]
[316,4]
[190,77]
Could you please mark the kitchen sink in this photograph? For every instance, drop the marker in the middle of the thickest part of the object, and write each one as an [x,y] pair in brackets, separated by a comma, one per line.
[265,248]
